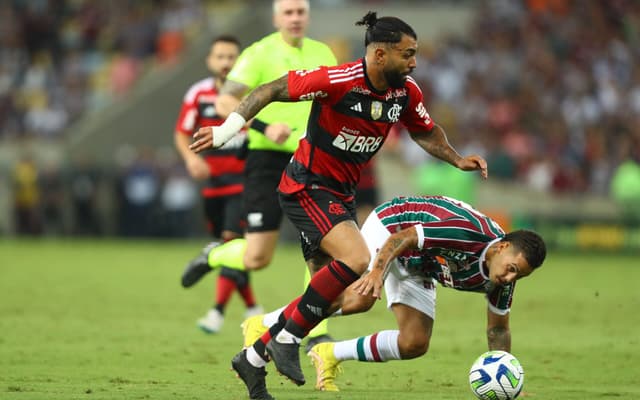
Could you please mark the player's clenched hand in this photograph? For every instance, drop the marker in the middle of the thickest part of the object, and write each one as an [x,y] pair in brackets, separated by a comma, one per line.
[203,139]
[369,283]
[197,167]
[278,132]
[472,163]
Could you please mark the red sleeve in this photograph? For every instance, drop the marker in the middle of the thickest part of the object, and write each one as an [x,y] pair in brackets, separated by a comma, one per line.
[416,118]
[311,84]
[188,116]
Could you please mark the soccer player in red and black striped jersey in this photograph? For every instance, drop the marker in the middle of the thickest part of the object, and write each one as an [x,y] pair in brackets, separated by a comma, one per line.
[415,242]
[222,170]
[354,106]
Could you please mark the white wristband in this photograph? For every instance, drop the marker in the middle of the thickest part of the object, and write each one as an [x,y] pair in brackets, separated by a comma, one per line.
[232,125]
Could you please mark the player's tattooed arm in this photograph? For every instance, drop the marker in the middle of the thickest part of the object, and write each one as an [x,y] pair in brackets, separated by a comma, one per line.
[435,143]
[392,248]
[261,96]
[498,332]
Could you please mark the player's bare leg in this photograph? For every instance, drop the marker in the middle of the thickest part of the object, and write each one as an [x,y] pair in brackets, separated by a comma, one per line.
[260,249]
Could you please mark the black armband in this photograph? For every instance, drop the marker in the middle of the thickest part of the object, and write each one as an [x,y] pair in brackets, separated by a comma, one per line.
[259,126]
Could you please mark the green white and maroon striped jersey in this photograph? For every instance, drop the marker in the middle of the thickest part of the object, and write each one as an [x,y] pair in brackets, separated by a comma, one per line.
[453,239]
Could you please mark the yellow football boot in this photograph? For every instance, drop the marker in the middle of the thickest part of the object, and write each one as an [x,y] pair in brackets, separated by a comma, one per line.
[327,366]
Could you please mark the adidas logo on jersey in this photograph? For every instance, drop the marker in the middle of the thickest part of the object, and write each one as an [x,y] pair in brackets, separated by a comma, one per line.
[356,107]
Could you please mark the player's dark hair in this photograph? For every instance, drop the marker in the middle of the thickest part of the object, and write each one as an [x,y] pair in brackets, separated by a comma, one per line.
[226,39]
[530,243]
[384,29]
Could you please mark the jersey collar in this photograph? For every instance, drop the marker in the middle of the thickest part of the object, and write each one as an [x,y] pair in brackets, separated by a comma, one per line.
[483,256]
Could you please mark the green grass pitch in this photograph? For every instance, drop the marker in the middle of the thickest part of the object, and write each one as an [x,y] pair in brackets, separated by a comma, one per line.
[109,320]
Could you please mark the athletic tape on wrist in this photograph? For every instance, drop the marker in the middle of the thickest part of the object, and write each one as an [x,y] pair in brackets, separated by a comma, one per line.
[231,126]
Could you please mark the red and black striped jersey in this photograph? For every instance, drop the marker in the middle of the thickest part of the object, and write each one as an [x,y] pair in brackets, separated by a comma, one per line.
[453,240]
[348,124]
[225,168]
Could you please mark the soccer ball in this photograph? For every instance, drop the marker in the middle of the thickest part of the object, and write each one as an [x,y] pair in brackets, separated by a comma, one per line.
[496,375]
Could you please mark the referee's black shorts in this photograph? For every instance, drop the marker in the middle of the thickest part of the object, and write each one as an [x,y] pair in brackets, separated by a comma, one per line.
[262,173]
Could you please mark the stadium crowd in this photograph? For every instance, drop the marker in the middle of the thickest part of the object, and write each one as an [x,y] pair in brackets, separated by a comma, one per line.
[60,59]
[547,90]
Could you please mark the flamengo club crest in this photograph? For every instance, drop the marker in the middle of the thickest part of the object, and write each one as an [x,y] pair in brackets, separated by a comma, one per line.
[376,110]
[394,113]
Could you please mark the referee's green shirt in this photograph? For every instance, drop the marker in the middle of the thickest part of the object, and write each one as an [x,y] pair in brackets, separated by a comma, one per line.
[269,59]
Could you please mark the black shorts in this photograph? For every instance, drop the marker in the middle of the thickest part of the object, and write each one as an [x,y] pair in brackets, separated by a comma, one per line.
[314,213]
[224,214]
[367,197]
[262,173]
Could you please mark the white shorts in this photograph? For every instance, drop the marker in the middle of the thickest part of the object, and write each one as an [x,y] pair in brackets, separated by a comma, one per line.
[400,287]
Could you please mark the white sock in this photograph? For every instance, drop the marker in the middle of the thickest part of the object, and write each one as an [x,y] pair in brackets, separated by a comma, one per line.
[285,336]
[254,358]
[337,313]
[379,347]
[271,318]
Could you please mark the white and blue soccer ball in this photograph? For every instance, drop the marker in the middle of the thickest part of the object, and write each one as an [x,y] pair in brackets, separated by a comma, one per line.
[496,375]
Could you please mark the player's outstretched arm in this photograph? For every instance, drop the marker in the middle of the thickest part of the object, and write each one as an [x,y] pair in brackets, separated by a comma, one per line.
[498,332]
[259,98]
[392,248]
[436,144]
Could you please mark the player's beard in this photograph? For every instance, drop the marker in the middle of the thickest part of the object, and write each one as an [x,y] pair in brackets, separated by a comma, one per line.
[395,79]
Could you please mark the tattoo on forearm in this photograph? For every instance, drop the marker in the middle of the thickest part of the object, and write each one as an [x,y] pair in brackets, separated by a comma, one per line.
[499,338]
[277,90]
[438,146]
[387,252]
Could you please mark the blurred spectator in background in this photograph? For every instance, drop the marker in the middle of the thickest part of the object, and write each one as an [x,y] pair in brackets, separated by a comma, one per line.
[178,198]
[26,198]
[139,186]
[52,187]
[84,180]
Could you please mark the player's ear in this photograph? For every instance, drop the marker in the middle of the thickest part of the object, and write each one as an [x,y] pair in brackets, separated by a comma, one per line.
[504,245]
[380,55]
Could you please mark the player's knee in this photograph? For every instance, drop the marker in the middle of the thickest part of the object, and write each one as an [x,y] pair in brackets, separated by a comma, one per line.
[413,346]
[358,262]
[353,303]
[256,261]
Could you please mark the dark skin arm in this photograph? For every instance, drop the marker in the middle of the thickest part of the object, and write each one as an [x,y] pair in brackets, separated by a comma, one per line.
[435,143]
[258,99]
[392,248]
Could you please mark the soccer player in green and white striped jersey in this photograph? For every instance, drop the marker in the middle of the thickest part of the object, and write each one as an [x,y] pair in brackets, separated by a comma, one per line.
[414,242]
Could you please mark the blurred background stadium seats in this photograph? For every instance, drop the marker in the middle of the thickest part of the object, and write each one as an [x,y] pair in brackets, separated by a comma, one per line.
[547,90]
